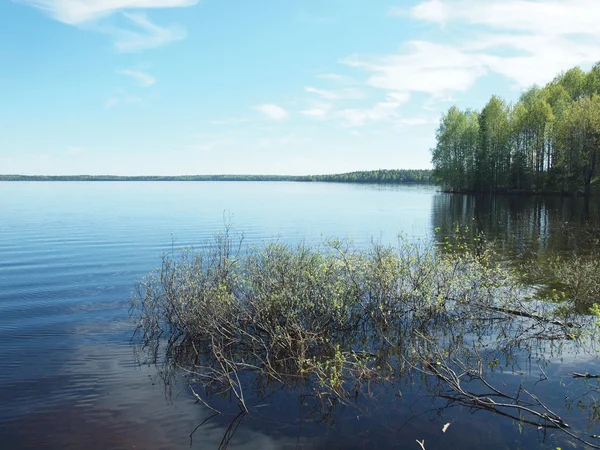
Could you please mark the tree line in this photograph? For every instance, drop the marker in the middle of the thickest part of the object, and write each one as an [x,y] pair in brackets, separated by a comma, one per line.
[374,176]
[546,142]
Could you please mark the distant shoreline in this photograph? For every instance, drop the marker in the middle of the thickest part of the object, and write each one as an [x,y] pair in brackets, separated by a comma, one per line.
[375,176]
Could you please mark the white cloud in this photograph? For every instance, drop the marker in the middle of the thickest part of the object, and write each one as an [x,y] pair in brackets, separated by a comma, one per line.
[381,112]
[144,34]
[344,81]
[547,17]
[92,15]
[535,39]
[273,111]
[340,94]
[527,41]
[356,115]
[143,79]
[330,76]
[317,111]
[536,59]
[77,12]
[436,69]
[344,90]
[329,95]
[400,97]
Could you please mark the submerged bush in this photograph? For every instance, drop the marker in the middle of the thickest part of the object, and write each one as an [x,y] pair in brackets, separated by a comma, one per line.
[572,280]
[334,321]
[329,316]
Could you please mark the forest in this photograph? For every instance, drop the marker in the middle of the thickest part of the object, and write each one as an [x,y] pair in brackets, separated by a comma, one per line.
[546,142]
[373,176]
[376,176]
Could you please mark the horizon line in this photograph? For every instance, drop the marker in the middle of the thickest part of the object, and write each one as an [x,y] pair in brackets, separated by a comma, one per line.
[209,175]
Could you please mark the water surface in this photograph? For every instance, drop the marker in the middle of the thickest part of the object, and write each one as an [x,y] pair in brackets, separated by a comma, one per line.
[71,251]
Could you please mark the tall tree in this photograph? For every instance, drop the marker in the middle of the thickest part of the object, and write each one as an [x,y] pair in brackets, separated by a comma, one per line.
[574,82]
[579,136]
[493,155]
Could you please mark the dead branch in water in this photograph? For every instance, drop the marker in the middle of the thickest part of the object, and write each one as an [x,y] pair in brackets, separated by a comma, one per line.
[584,375]
[494,399]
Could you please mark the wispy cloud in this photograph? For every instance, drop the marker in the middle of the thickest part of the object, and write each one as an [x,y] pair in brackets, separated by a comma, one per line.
[273,111]
[432,68]
[548,17]
[143,79]
[77,12]
[93,15]
[339,94]
[380,112]
[330,76]
[342,92]
[318,111]
[143,34]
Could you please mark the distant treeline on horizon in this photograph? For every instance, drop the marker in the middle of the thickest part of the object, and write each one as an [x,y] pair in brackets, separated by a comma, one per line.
[372,176]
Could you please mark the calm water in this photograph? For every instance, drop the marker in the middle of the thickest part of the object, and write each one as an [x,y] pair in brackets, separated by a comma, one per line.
[70,253]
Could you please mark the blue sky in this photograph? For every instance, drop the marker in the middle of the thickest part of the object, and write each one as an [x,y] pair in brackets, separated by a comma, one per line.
[136,87]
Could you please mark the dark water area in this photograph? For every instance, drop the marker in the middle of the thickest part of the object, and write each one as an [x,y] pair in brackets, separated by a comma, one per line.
[70,254]
[528,224]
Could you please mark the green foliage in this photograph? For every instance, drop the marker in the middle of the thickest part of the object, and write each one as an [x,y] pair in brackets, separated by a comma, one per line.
[455,155]
[595,310]
[328,316]
[376,176]
[547,142]
[572,280]
[333,322]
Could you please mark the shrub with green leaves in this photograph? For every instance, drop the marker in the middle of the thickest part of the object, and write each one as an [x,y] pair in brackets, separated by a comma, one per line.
[329,316]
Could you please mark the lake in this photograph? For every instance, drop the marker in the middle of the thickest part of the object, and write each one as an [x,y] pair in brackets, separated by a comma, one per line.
[70,253]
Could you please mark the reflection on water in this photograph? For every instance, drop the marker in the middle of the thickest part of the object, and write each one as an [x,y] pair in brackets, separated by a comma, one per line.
[528,224]
[70,253]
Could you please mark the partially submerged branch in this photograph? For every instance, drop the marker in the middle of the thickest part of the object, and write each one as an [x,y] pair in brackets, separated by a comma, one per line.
[584,375]
[336,321]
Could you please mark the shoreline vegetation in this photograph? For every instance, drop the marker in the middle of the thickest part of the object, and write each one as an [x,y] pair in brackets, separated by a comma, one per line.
[548,142]
[402,176]
[337,324]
